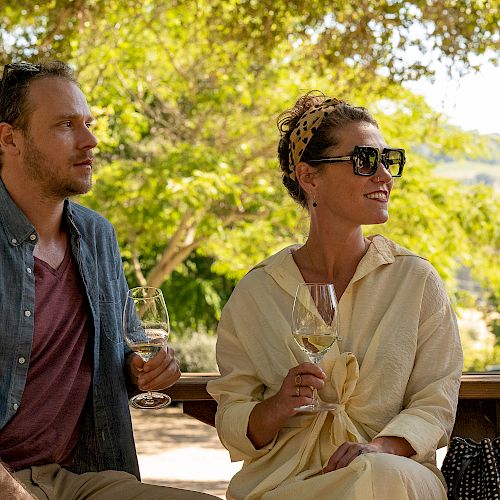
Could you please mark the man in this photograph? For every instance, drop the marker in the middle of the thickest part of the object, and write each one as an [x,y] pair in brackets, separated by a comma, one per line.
[65,426]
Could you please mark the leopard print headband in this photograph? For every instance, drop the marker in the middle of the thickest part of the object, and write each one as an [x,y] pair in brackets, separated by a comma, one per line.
[306,127]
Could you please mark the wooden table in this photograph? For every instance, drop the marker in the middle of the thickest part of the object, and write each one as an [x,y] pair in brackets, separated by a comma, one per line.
[478,414]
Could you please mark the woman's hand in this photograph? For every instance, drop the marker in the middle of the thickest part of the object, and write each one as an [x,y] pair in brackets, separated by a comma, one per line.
[297,389]
[270,415]
[348,451]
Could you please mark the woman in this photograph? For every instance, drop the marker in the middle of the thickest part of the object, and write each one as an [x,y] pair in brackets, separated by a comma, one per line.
[395,374]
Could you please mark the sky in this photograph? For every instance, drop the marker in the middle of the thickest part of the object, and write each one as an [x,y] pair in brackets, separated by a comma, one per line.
[471,102]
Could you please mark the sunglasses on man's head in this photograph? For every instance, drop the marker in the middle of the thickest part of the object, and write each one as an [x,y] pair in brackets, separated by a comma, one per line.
[16,72]
[366,159]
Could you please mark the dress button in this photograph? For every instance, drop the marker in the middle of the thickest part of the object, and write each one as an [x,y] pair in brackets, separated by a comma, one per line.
[33,237]
[27,313]
[21,360]
[15,406]
[29,270]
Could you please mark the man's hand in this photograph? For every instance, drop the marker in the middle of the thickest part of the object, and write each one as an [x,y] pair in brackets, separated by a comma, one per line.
[160,372]
[10,488]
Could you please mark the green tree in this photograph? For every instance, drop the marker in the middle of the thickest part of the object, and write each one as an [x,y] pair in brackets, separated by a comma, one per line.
[186,94]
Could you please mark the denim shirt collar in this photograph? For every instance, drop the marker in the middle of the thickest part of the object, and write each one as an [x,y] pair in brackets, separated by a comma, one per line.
[69,216]
[18,227]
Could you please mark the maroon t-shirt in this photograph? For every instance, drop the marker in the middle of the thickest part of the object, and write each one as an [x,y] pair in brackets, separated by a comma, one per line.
[45,428]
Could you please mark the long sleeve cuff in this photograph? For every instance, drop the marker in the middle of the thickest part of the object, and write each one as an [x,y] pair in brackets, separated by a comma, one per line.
[232,426]
[415,426]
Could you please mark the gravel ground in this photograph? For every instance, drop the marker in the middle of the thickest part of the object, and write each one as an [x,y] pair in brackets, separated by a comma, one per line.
[179,451]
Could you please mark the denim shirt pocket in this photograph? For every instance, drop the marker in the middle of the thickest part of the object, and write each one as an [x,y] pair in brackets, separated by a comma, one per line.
[111,310]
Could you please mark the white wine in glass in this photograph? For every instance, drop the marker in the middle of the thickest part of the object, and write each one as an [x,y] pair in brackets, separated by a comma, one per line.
[145,328]
[315,328]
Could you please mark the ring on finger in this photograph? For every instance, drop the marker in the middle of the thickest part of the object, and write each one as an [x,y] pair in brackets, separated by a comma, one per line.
[297,391]
[298,380]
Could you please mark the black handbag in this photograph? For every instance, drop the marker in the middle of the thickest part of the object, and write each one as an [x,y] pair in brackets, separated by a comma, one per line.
[472,470]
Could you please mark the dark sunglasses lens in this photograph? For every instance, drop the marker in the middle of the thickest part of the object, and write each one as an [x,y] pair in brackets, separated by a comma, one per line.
[367,160]
[393,161]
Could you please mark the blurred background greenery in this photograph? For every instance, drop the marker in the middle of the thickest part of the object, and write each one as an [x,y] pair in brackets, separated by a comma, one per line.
[186,96]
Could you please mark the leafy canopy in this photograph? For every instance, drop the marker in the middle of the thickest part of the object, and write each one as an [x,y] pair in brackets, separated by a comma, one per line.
[186,95]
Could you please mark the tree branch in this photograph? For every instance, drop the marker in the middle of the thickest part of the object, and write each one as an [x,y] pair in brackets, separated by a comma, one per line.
[180,246]
[137,269]
[60,21]
[179,234]
[158,274]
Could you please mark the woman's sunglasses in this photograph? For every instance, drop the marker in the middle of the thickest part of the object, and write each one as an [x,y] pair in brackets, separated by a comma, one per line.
[366,159]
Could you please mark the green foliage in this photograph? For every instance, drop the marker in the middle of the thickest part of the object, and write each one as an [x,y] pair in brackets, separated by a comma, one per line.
[480,360]
[491,311]
[450,224]
[196,353]
[368,33]
[195,295]
[480,346]
[186,96]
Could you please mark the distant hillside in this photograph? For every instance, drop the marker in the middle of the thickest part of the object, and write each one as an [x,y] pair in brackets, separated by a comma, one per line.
[471,172]
[481,167]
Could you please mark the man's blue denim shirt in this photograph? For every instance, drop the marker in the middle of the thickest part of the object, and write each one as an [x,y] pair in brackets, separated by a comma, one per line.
[106,440]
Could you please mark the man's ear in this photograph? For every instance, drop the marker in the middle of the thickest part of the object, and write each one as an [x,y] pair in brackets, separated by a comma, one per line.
[8,143]
[306,177]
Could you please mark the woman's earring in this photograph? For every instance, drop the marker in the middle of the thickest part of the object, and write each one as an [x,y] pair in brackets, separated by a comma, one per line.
[315,204]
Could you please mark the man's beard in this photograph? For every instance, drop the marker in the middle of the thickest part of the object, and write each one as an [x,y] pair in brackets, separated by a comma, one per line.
[54,185]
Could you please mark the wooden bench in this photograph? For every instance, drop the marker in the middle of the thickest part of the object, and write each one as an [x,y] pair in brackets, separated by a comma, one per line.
[478,414]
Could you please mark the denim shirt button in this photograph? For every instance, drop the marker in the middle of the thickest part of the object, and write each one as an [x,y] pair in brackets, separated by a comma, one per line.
[15,406]
[32,237]
[27,313]
[21,360]
[28,269]
[13,241]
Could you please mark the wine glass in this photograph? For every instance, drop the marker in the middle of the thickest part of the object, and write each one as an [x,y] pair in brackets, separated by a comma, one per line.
[315,328]
[145,328]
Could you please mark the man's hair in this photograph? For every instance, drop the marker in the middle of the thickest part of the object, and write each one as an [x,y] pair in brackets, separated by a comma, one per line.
[14,106]
[17,77]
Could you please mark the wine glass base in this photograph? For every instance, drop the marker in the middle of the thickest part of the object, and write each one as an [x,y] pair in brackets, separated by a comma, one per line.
[150,401]
[320,406]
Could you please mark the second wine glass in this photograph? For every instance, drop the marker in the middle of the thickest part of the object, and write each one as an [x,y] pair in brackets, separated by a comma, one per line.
[315,328]
[146,328]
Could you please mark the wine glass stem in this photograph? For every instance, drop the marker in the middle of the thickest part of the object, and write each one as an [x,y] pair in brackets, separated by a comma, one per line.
[314,398]
[316,360]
